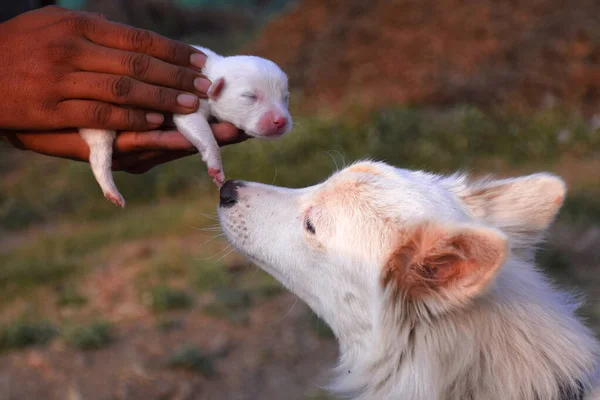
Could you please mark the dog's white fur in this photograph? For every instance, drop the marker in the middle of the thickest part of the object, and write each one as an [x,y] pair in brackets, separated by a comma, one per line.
[245,90]
[427,281]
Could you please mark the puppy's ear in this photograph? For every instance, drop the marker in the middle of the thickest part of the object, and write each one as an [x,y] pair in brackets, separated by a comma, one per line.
[523,208]
[216,88]
[455,262]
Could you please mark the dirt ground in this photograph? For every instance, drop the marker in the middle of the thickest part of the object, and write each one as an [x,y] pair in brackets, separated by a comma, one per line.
[439,52]
[275,356]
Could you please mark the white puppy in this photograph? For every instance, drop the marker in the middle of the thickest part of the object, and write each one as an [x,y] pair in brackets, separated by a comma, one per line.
[427,281]
[249,92]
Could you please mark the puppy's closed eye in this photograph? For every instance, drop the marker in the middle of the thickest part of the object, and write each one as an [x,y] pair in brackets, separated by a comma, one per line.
[250,96]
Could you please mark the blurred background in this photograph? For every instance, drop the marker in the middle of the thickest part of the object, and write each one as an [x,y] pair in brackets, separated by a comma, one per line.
[150,303]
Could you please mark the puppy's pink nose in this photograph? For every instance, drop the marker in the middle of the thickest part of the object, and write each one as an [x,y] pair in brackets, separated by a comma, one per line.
[280,121]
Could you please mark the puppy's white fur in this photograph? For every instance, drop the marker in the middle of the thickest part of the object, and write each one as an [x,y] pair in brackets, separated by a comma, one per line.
[428,282]
[249,92]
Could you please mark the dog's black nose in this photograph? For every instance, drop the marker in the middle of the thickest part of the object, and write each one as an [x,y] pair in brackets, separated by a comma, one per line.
[228,195]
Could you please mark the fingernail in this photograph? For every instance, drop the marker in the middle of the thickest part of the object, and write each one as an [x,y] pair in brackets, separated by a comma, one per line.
[202,84]
[155,118]
[198,60]
[187,100]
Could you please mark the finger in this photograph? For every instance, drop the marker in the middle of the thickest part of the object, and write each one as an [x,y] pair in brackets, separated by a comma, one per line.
[69,144]
[128,91]
[119,36]
[148,160]
[98,115]
[127,142]
[61,144]
[94,14]
[14,140]
[227,133]
[142,67]
[55,9]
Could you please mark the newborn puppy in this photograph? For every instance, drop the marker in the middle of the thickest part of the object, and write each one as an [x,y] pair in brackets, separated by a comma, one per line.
[249,92]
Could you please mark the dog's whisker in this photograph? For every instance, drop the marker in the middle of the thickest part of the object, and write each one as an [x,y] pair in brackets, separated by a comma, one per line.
[343,158]
[218,225]
[256,269]
[209,229]
[225,255]
[334,161]
[214,217]
[215,255]
[275,177]
[210,240]
[286,315]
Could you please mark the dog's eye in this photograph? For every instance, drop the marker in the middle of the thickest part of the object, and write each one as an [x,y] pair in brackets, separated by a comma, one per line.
[249,96]
[286,97]
[309,226]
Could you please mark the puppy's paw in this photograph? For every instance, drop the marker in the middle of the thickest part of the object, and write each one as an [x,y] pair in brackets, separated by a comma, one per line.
[116,199]
[217,176]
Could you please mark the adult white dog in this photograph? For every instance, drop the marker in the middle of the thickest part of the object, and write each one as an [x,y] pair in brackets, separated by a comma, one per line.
[427,281]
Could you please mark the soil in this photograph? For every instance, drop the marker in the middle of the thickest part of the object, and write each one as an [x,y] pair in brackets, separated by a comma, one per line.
[520,54]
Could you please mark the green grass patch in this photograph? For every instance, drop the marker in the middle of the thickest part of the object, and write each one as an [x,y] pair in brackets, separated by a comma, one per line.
[207,275]
[231,304]
[462,137]
[51,257]
[168,324]
[191,358]
[259,284]
[169,261]
[94,335]
[171,198]
[164,298]
[23,332]
[69,296]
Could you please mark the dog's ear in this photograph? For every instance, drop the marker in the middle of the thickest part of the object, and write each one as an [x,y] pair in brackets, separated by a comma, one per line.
[523,208]
[456,262]
[216,88]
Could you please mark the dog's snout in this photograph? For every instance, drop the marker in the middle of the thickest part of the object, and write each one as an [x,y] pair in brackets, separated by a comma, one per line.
[229,194]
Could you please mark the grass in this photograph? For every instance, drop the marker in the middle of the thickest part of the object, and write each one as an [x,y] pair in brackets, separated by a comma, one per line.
[260,284]
[53,256]
[81,226]
[208,276]
[164,298]
[245,288]
[94,335]
[231,304]
[458,138]
[167,324]
[22,333]
[69,296]
[191,358]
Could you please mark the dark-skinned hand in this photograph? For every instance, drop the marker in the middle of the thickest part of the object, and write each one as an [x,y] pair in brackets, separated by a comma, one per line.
[133,152]
[66,69]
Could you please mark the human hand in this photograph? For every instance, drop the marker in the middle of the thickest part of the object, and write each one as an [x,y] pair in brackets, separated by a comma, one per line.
[65,69]
[134,152]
